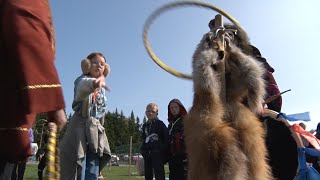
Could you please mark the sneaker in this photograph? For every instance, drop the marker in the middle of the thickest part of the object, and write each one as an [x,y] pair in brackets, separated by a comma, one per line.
[100,177]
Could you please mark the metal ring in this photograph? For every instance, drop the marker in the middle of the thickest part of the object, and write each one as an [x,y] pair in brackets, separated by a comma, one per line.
[167,7]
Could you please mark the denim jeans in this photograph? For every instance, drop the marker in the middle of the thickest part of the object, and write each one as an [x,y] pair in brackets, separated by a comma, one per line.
[90,166]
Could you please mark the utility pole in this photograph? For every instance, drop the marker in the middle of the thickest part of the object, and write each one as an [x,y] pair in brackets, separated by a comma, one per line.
[130,156]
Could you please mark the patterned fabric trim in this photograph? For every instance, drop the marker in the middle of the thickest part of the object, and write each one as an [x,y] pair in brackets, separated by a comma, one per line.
[42,86]
[16,128]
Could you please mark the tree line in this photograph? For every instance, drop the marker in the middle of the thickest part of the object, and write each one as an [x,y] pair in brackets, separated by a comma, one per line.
[118,128]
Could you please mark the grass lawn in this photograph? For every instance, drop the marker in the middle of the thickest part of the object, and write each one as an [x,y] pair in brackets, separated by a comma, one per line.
[110,173]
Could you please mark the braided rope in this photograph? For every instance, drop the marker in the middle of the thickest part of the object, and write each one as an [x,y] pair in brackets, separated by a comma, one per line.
[169,6]
[15,128]
[42,86]
[53,167]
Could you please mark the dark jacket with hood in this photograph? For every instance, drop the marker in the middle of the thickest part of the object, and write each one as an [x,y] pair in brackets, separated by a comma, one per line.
[176,132]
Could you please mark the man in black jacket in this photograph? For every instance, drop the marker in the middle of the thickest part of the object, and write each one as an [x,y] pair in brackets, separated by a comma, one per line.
[155,140]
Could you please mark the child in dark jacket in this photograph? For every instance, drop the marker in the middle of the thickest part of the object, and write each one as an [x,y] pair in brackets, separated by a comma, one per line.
[155,141]
[177,149]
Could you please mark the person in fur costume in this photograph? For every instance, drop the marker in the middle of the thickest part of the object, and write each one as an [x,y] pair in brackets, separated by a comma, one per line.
[177,150]
[281,147]
[224,138]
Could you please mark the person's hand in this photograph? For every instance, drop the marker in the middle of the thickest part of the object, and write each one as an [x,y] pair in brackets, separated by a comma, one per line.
[100,82]
[263,107]
[58,117]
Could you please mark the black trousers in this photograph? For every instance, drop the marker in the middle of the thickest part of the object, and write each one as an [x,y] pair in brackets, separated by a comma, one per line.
[18,171]
[178,168]
[42,164]
[282,150]
[153,163]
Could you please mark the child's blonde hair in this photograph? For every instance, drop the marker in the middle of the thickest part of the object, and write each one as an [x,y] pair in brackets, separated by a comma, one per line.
[153,105]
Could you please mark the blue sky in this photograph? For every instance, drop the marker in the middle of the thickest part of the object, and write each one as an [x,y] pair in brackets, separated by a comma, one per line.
[286,32]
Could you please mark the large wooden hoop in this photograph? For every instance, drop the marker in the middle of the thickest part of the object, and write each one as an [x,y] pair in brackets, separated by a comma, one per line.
[167,7]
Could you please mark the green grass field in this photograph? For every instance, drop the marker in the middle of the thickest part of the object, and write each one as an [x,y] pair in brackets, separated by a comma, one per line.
[110,173]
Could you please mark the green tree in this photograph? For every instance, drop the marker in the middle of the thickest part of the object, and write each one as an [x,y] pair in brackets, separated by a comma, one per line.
[39,128]
[138,130]
[110,125]
[132,128]
[144,119]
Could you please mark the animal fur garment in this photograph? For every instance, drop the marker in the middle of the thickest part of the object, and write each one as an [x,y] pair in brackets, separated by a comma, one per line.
[224,138]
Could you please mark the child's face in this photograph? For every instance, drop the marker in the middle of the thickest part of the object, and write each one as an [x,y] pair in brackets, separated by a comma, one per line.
[174,108]
[97,66]
[151,112]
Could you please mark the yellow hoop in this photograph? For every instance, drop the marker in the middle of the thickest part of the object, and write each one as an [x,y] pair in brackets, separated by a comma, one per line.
[169,6]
